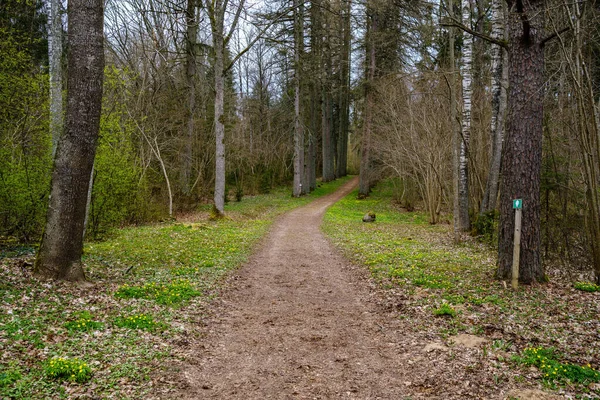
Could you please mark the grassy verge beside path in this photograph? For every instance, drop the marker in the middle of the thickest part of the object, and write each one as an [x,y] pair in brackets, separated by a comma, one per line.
[150,287]
[442,289]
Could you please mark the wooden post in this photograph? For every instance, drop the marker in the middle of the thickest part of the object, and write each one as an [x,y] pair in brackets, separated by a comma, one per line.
[516,249]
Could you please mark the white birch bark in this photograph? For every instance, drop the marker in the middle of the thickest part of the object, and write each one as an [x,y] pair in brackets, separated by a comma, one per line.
[454,126]
[467,94]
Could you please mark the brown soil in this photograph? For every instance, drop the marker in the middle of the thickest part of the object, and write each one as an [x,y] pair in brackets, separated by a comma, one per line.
[301,322]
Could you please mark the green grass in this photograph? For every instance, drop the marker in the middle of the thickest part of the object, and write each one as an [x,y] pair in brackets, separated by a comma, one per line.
[170,293]
[420,262]
[151,287]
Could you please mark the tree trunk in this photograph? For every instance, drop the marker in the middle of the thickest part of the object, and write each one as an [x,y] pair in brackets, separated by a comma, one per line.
[55,52]
[299,180]
[187,156]
[344,97]
[218,43]
[467,94]
[522,156]
[328,144]
[499,86]
[456,140]
[60,252]
[315,92]
[364,182]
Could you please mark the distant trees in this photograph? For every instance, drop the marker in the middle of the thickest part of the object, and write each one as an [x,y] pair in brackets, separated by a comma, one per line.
[198,104]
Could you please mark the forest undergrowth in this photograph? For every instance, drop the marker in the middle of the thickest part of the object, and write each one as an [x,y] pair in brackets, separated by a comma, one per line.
[544,335]
[115,336]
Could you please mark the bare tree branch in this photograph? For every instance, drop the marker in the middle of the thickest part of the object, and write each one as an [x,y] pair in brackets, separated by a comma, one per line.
[459,25]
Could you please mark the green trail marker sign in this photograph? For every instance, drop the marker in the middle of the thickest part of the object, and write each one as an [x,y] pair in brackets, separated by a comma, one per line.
[517,204]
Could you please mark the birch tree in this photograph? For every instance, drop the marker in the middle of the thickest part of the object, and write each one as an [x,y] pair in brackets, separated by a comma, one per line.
[466,69]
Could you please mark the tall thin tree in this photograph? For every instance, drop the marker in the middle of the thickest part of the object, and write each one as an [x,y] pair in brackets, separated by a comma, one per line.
[466,70]
[499,99]
[364,184]
[299,170]
[55,56]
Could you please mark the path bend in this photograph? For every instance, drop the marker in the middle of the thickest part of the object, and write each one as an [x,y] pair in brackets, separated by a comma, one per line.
[297,324]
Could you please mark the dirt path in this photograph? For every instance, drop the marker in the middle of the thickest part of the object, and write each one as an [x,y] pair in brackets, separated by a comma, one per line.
[300,323]
[296,325]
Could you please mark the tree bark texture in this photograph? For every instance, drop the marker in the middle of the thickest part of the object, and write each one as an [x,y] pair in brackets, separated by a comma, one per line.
[55,53]
[315,92]
[328,144]
[467,95]
[344,92]
[499,98]
[60,251]
[219,198]
[364,182]
[456,140]
[522,155]
[299,180]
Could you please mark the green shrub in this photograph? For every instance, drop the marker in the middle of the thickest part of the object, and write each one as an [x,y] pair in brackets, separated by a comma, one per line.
[73,370]
[117,192]
[485,226]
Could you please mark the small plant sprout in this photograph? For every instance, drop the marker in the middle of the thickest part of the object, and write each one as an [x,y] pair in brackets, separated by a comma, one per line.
[445,310]
[139,321]
[553,371]
[68,369]
[586,287]
[83,324]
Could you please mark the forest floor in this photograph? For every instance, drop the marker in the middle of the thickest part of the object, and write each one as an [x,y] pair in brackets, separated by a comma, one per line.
[299,321]
[295,299]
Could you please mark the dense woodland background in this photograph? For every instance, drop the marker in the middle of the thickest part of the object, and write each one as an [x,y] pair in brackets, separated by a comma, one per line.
[413,90]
